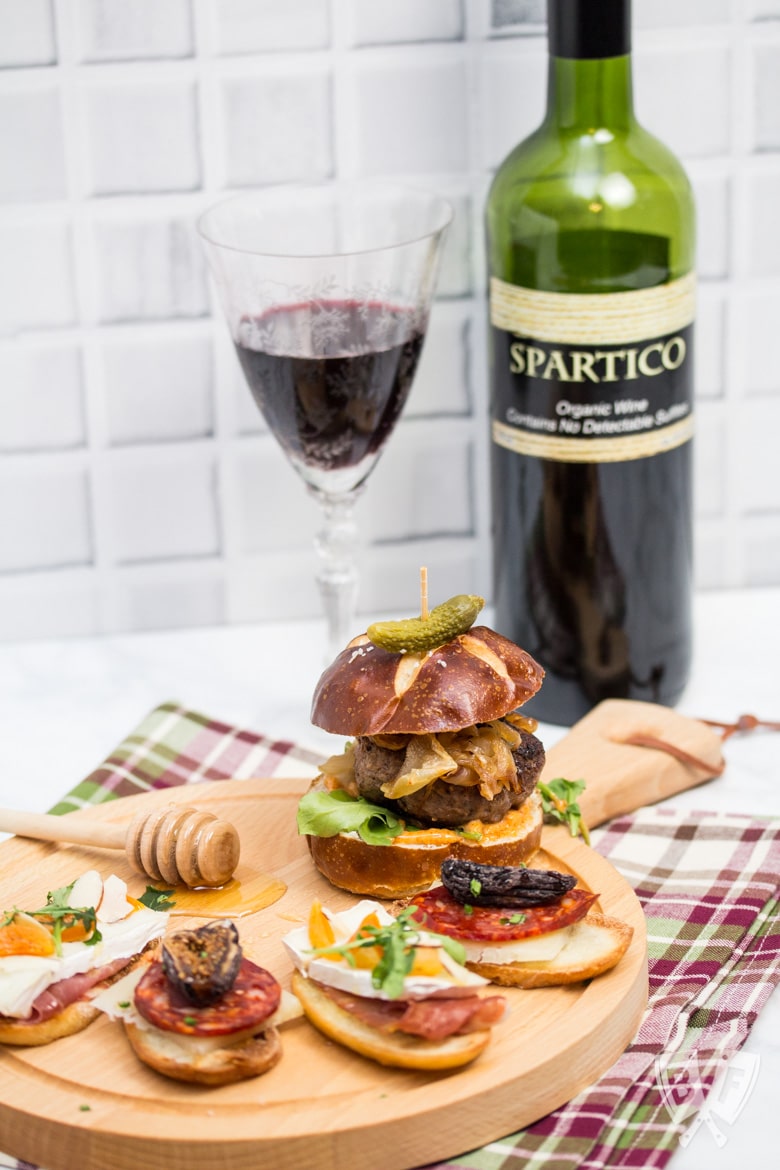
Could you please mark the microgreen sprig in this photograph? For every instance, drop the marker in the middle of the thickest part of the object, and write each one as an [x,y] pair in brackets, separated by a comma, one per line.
[559,802]
[155,899]
[60,917]
[397,942]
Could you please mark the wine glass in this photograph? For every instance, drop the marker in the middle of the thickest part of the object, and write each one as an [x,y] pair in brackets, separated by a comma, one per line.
[327,292]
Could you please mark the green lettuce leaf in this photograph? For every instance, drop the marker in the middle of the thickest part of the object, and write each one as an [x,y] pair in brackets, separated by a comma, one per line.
[326,814]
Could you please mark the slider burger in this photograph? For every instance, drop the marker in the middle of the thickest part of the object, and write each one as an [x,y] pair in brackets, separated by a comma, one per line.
[440,764]
[391,992]
[55,961]
[522,927]
[203,1012]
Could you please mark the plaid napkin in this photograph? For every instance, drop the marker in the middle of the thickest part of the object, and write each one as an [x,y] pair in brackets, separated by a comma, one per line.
[709,885]
[174,746]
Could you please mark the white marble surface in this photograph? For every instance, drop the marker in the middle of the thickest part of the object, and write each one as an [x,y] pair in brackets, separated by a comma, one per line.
[65,704]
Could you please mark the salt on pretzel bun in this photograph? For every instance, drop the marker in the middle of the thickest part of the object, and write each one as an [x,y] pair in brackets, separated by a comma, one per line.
[474,678]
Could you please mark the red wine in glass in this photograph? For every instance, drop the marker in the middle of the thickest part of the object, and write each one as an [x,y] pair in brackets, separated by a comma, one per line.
[327,291]
[330,379]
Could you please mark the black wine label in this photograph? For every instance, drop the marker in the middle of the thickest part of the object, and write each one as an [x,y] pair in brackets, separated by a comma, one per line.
[592,378]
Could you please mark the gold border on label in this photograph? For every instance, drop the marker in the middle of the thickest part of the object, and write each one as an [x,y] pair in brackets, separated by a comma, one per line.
[593,318]
[620,449]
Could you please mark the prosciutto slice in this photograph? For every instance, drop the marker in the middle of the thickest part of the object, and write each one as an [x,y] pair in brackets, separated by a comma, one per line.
[66,991]
[430,1019]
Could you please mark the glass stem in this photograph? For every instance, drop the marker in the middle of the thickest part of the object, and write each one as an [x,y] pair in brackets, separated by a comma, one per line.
[337,576]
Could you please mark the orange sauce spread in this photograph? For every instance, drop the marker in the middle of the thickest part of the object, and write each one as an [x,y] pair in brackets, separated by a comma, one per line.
[477,831]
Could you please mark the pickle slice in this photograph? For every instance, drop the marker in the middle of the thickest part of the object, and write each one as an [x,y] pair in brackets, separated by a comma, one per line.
[443,623]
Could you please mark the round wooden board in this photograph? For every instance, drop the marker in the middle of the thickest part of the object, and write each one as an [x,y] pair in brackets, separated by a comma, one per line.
[86,1100]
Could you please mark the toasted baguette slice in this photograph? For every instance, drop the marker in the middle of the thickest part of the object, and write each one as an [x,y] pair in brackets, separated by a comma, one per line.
[388,1048]
[595,945]
[73,1018]
[184,1058]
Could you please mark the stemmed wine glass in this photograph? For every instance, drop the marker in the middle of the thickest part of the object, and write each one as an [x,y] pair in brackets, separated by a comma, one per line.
[327,292]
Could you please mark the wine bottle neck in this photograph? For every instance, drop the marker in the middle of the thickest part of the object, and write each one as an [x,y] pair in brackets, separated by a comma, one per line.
[591,94]
[592,29]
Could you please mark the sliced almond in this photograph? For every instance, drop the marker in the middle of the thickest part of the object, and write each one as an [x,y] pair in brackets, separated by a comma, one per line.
[114,905]
[87,890]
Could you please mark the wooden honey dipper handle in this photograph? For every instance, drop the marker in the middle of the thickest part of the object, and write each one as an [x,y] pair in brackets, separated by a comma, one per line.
[180,846]
[45,827]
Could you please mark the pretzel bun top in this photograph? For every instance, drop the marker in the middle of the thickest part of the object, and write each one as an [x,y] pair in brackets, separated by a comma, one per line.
[476,677]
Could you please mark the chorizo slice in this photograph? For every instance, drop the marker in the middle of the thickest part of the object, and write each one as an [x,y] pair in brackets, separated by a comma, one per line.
[438,911]
[254,996]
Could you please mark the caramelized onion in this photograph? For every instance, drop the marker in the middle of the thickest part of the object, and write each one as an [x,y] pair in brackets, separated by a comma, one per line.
[478,755]
[341,768]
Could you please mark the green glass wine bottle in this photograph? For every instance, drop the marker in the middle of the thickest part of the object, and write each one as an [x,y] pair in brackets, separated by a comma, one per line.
[590,227]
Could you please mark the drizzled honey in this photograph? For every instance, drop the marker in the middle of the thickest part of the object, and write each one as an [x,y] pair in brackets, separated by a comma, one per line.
[247,892]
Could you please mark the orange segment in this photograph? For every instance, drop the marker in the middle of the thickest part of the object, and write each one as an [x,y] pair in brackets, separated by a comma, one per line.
[321,933]
[24,935]
[75,933]
[427,962]
[366,957]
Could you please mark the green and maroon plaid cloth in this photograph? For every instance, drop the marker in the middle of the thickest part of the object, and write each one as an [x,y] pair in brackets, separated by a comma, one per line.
[174,746]
[709,887]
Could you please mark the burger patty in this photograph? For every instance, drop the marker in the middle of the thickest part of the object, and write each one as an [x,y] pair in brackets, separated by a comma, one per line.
[441,803]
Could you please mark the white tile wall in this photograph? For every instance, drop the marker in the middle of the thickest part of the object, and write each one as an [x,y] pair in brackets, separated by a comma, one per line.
[763,238]
[276,124]
[405,21]
[114,30]
[162,503]
[411,112]
[32,115]
[265,26]
[142,139]
[30,41]
[41,398]
[44,515]
[273,511]
[710,341]
[148,266]
[138,486]
[766,110]
[158,388]
[713,193]
[37,290]
[759,314]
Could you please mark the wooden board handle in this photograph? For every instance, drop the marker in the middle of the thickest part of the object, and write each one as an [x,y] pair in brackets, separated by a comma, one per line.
[621,776]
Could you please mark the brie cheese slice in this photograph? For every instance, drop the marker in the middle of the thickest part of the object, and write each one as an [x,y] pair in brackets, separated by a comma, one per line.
[336,971]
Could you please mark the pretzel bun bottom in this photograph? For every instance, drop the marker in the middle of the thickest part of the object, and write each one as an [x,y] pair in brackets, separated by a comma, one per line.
[413,861]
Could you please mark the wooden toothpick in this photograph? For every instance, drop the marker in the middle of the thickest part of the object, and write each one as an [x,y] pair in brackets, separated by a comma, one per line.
[423,592]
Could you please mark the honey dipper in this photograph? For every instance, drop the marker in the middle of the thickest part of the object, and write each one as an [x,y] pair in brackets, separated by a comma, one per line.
[179,846]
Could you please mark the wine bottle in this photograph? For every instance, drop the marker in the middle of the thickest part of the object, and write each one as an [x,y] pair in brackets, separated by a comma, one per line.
[590,228]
